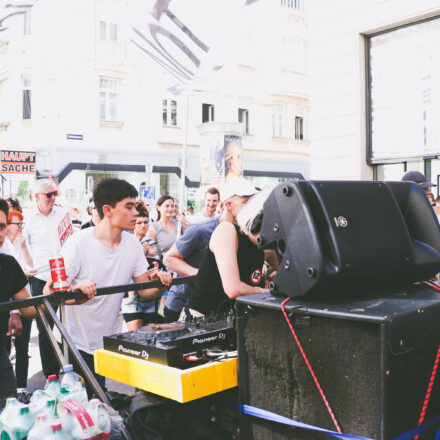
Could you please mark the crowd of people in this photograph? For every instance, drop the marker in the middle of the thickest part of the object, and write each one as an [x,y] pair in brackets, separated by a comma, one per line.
[119,243]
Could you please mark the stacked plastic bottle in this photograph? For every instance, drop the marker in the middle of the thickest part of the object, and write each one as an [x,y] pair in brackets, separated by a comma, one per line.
[58,433]
[16,419]
[62,411]
[74,383]
[41,429]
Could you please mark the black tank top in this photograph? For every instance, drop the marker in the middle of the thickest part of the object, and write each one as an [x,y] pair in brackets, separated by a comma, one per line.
[209,295]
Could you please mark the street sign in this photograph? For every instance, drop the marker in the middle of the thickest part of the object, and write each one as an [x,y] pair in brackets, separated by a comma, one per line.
[75,137]
[148,192]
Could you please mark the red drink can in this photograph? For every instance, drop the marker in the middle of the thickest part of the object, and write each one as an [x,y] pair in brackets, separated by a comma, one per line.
[58,273]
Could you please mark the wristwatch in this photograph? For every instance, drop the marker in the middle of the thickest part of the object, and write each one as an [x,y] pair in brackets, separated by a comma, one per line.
[14,311]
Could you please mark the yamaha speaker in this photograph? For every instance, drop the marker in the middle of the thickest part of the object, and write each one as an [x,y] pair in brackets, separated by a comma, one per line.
[373,359]
[349,237]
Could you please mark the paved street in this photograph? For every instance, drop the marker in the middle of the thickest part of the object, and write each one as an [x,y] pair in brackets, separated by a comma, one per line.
[36,379]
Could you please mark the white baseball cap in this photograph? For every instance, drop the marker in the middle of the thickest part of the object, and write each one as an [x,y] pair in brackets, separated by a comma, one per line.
[237,186]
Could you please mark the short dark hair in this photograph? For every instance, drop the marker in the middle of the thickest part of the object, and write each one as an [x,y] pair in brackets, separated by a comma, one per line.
[110,192]
[4,207]
[213,191]
[15,203]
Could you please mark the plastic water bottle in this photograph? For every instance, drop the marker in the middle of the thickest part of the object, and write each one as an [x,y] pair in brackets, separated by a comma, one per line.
[53,386]
[38,401]
[22,424]
[11,410]
[41,429]
[58,433]
[74,382]
[76,421]
[100,416]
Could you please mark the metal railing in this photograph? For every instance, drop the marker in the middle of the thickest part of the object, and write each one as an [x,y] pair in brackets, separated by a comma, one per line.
[60,297]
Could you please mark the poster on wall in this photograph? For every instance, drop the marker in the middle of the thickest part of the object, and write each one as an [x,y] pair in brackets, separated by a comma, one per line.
[212,168]
[232,157]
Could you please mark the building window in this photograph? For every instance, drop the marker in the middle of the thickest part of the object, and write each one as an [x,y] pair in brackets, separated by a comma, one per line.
[26,85]
[397,129]
[207,112]
[108,96]
[27,23]
[169,112]
[293,4]
[243,117]
[277,119]
[294,54]
[299,128]
[108,31]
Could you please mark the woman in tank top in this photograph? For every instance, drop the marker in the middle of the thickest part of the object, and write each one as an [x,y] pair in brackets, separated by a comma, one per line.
[233,265]
[164,229]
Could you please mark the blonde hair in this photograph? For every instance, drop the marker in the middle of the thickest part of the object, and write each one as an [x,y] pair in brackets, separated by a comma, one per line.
[250,211]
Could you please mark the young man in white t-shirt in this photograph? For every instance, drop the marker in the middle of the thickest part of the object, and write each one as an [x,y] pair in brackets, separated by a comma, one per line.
[105,255]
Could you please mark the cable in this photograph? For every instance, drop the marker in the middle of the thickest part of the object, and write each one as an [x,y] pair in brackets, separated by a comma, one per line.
[429,390]
[315,379]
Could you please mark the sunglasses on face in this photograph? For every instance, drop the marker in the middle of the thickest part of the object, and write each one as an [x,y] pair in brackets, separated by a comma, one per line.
[19,224]
[51,194]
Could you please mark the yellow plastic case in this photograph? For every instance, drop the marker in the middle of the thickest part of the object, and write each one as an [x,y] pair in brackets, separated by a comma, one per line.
[173,383]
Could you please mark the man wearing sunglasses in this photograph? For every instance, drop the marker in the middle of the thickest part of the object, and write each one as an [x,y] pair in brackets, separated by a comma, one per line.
[46,231]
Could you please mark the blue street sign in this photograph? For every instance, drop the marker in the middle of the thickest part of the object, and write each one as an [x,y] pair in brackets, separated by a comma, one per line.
[76,137]
[148,192]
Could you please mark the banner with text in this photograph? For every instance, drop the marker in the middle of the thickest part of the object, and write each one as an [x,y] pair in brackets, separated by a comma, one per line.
[18,162]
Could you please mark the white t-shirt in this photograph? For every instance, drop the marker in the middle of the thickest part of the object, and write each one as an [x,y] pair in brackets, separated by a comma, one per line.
[8,248]
[200,217]
[85,258]
[45,235]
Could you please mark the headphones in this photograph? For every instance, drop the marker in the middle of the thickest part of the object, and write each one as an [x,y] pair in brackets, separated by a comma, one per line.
[256,223]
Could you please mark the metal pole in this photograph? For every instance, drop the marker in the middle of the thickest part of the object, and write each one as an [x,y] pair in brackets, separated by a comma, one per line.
[63,321]
[56,348]
[79,359]
[183,166]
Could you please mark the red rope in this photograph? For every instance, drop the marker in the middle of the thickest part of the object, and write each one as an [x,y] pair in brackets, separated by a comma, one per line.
[429,390]
[315,379]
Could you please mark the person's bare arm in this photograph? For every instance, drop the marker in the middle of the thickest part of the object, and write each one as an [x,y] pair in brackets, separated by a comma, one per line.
[224,245]
[152,275]
[271,257]
[174,261]
[27,312]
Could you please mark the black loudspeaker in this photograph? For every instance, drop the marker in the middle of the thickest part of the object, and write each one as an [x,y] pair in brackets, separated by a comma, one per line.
[372,357]
[340,237]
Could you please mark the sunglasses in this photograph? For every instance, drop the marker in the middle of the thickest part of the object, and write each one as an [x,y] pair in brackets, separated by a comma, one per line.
[19,224]
[51,194]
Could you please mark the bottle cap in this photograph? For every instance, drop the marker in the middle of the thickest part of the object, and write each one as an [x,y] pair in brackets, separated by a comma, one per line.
[24,410]
[55,426]
[50,403]
[67,368]
[52,377]
[64,389]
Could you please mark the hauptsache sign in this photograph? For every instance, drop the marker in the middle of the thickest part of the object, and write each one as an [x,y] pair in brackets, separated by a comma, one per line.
[18,162]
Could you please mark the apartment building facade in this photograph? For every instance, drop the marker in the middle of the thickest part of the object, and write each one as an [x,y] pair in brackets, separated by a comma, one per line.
[77,91]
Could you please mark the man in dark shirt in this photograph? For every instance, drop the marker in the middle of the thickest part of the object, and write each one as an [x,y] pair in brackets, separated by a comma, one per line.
[12,282]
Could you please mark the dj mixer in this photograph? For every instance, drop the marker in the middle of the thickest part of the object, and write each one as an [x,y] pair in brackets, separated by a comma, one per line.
[177,344]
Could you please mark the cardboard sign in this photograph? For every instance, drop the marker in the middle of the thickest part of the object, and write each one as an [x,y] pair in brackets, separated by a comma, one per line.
[65,229]
[18,162]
